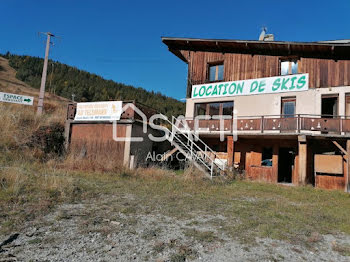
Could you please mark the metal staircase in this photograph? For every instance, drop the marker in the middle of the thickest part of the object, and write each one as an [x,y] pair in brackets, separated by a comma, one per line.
[195,150]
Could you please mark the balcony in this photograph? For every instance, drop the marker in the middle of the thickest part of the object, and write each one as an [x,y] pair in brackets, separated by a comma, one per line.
[297,124]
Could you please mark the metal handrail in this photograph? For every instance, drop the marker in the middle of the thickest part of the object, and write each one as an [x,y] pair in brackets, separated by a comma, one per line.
[203,162]
[298,119]
[205,145]
[294,115]
[206,148]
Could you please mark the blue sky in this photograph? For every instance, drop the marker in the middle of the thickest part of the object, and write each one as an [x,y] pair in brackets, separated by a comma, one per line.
[121,40]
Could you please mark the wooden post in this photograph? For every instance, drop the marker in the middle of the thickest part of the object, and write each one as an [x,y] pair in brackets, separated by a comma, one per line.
[67,133]
[230,151]
[127,146]
[302,155]
[275,161]
[347,175]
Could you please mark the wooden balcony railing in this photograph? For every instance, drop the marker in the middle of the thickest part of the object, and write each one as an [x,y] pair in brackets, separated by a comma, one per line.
[283,123]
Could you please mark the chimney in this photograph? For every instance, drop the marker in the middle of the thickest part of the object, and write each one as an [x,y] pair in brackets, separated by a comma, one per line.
[266,37]
[269,37]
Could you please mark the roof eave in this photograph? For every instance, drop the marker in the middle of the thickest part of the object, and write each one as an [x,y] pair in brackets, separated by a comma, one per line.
[334,51]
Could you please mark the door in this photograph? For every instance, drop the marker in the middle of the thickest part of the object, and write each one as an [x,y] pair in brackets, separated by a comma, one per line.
[289,121]
[288,107]
[329,106]
[285,165]
[347,105]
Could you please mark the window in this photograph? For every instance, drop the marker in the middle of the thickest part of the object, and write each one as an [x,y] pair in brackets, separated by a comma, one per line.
[294,66]
[200,109]
[214,108]
[266,156]
[347,105]
[216,72]
[329,106]
[289,67]
[227,108]
[288,107]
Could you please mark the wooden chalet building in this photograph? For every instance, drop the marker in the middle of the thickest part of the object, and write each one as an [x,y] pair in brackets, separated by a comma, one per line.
[290,102]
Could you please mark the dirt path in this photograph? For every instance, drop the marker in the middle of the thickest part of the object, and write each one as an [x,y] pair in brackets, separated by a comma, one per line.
[95,231]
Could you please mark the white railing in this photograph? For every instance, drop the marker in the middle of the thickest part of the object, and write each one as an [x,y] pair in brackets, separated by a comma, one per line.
[207,157]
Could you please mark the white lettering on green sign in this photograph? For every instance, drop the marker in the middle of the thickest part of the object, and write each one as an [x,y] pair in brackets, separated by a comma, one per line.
[269,85]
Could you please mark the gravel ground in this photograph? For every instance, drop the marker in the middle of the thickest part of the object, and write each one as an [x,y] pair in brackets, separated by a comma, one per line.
[92,232]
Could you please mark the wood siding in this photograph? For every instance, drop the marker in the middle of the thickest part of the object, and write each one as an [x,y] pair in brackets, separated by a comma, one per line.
[322,72]
[248,156]
[95,142]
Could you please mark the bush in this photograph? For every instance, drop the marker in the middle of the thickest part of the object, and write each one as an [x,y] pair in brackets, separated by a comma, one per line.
[49,139]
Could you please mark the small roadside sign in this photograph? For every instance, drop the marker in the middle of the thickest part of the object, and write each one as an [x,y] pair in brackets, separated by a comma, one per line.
[16,99]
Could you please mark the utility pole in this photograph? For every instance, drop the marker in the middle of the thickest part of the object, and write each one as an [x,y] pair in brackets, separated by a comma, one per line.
[43,77]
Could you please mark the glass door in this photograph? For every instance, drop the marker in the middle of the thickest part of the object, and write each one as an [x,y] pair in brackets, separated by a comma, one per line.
[288,107]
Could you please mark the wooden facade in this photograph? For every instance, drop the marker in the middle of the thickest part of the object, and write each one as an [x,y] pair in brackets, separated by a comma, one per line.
[322,170]
[293,141]
[322,72]
[95,140]
[248,157]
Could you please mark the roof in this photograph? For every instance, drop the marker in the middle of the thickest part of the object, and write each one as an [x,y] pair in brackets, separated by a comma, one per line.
[335,49]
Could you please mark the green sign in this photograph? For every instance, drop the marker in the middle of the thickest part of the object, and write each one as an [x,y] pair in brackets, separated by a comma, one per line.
[269,85]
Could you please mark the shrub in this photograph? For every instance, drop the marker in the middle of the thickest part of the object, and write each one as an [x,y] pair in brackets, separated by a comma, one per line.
[49,139]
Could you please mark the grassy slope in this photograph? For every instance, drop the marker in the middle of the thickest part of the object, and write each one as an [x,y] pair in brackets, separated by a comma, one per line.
[9,83]
[30,188]
[251,209]
[19,122]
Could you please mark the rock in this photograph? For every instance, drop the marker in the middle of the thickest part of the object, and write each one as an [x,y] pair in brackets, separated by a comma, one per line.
[32,232]
[108,248]
[116,223]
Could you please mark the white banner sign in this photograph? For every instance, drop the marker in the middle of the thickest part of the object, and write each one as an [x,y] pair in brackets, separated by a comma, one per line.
[268,85]
[99,111]
[16,99]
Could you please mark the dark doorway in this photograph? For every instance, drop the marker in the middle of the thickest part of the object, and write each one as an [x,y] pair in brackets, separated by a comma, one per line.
[285,165]
[329,106]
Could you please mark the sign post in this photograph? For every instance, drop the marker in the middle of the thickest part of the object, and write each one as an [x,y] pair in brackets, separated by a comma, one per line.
[16,99]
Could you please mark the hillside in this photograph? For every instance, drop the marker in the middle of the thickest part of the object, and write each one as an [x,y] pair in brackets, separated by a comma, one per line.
[64,80]
[54,104]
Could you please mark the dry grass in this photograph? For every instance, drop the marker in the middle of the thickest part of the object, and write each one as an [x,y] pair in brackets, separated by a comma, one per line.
[9,83]
[103,158]
[248,210]
[20,124]
[30,188]
[343,249]
[27,188]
